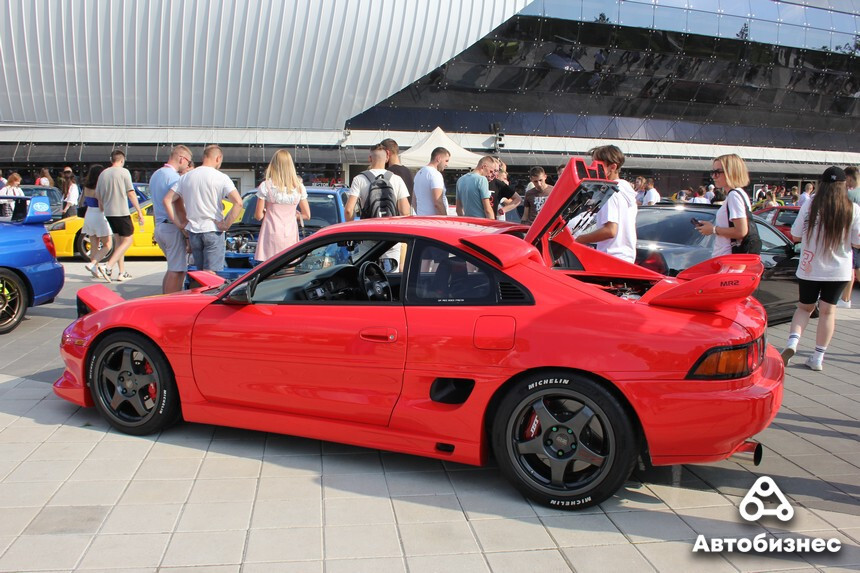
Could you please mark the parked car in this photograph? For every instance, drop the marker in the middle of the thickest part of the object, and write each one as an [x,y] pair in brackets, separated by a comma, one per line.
[54,195]
[478,343]
[29,272]
[668,243]
[780,217]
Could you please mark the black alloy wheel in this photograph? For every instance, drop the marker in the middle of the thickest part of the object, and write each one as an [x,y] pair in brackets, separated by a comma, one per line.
[564,440]
[14,298]
[132,384]
[83,248]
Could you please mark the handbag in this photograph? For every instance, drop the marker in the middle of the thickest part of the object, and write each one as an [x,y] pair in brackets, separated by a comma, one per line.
[751,243]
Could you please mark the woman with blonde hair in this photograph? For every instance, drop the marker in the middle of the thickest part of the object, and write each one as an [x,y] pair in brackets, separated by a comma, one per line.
[281,198]
[732,230]
[828,226]
[44,179]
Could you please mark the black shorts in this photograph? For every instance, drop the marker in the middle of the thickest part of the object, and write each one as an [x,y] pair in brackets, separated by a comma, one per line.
[121,226]
[828,291]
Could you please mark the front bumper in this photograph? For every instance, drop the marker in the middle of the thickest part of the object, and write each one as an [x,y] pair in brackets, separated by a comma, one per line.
[701,421]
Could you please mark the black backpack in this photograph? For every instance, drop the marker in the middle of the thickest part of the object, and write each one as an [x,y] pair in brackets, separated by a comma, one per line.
[380,201]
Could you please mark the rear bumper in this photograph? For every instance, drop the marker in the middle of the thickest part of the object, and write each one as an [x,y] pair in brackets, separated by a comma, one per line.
[701,421]
[71,385]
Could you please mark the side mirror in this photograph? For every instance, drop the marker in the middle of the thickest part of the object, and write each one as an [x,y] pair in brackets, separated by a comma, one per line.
[796,248]
[239,296]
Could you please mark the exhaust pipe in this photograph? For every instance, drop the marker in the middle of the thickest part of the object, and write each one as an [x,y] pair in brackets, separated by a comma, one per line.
[750,452]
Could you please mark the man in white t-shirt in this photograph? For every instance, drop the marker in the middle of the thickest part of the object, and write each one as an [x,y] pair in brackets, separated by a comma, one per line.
[616,221]
[709,194]
[202,191]
[361,184]
[808,191]
[429,185]
[649,196]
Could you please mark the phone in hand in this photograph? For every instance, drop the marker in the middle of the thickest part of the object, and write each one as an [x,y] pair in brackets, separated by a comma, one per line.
[695,222]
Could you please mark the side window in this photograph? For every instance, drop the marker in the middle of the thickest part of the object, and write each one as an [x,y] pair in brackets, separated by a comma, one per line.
[786,217]
[441,275]
[771,241]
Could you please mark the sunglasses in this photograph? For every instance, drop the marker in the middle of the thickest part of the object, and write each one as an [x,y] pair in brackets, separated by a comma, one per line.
[67,173]
[716,172]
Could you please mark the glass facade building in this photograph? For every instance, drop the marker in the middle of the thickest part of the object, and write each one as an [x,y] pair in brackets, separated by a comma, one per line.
[734,72]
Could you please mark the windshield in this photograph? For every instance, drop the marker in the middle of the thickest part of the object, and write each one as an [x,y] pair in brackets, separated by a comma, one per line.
[671,226]
[324,209]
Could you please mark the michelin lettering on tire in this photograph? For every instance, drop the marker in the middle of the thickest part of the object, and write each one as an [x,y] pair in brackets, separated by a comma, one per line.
[548,381]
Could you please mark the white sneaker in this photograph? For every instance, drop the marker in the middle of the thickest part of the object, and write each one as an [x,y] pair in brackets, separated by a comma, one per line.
[103,272]
[92,267]
[813,364]
[123,277]
[843,303]
[787,354]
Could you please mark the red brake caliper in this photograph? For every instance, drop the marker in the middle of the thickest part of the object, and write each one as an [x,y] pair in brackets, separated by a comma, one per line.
[533,427]
[153,391]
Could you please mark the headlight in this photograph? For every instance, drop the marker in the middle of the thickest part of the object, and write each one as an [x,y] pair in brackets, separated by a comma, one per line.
[58,226]
[726,362]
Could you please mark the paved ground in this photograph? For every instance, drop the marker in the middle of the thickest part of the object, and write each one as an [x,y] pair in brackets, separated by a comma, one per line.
[75,495]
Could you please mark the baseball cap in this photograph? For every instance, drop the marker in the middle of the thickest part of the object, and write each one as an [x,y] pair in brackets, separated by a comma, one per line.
[833,174]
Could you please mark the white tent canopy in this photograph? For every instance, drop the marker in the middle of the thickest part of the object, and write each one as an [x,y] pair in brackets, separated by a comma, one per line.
[419,154]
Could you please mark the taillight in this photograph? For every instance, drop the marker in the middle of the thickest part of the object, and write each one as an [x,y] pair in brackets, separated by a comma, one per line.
[49,244]
[729,361]
[655,262]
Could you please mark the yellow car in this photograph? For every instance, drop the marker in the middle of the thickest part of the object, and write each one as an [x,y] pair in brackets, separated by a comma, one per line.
[70,242]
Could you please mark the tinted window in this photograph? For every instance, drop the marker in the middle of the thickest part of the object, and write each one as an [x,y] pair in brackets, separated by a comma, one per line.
[771,240]
[787,217]
[671,226]
[440,275]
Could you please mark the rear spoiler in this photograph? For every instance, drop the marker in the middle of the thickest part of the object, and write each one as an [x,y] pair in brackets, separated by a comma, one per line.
[712,283]
[29,210]
[204,279]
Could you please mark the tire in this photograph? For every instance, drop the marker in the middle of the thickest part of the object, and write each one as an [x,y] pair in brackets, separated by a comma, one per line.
[14,298]
[82,248]
[563,440]
[149,401]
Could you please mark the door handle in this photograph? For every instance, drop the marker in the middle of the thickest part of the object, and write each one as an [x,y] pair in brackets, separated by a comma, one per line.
[378,334]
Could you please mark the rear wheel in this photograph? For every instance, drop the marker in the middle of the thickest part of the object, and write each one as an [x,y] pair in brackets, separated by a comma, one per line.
[564,440]
[83,248]
[132,384]
[13,300]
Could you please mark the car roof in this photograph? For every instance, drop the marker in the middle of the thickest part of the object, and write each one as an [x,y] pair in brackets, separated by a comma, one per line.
[448,229]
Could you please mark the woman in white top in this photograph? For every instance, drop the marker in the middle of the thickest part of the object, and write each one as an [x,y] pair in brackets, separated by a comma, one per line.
[828,226]
[730,174]
[281,198]
[71,193]
[12,188]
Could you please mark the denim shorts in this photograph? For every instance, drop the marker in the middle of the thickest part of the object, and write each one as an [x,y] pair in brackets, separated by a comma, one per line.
[172,242]
[208,250]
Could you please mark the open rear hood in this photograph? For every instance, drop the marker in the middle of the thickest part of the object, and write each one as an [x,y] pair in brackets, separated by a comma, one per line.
[579,194]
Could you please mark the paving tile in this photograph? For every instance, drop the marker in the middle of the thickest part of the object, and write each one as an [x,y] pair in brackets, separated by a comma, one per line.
[105,470]
[723,521]
[405,483]
[300,487]
[93,492]
[678,497]
[13,520]
[157,491]
[168,468]
[679,556]
[293,544]
[824,464]
[355,485]
[277,514]
[428,509]
[184,449]
[68,519]
[215,490]
[644,526]
[495,505]
[251,449]
[438,538]
[803,520]
[152,518]
[26,434]
[71,433]
[27,494]
[44,552]
[600,559]
[517,561]
[848,556]
[583,530]
[364,511]
[839,519]
[394,462]
[463,563]
[360,463]
[120,450]
[43,470]
[474,480]
[205,548]
[52,451]
[289,466]
[379,565]
[118,552]
[356,541]
[17,451]
[290,446]
[220,468]
[282,567]
[633,497]
[520,534]
[214,516]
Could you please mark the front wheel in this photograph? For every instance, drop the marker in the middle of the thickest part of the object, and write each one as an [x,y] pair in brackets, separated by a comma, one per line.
[83,248]
[563,440]
[132,384]
[14,298]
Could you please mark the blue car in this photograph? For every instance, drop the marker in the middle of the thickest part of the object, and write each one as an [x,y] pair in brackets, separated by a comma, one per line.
[326,205]
[29,272]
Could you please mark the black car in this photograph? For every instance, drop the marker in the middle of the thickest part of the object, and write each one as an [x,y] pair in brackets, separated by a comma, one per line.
[668,242]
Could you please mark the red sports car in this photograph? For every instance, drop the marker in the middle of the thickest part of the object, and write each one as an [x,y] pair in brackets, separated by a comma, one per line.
[471,342]
[781,217]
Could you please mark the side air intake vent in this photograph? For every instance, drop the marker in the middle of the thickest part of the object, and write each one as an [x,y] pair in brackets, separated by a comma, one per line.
[510,292]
